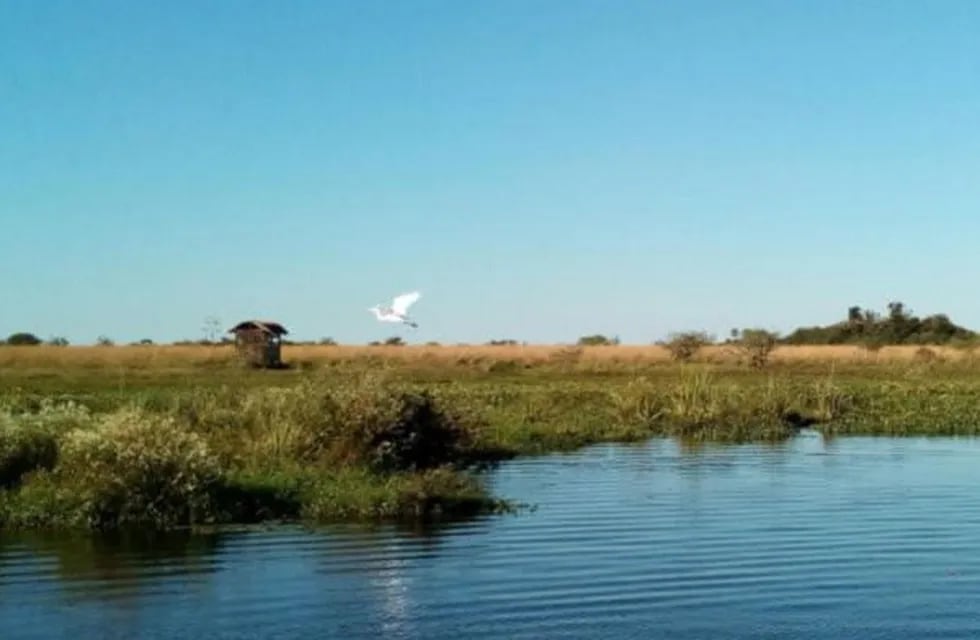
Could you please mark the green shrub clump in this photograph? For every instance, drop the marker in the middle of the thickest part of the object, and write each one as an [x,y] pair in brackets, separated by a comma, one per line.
[29,440]
[133,468]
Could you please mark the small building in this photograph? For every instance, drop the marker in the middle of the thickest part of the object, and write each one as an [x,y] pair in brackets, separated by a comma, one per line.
[259,342]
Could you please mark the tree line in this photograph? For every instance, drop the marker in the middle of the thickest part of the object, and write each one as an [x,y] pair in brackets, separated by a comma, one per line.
[897,326]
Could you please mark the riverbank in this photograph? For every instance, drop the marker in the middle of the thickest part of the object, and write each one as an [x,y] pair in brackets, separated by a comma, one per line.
[184,439]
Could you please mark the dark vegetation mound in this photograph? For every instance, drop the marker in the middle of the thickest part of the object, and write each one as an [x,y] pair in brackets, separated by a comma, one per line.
[898,326]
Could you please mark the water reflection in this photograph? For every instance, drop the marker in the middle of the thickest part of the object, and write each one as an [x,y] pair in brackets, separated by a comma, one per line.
[131,557]
[122,576]
[805,538]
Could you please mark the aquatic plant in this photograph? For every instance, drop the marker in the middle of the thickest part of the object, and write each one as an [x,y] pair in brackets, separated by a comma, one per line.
[29,440]
[136,468]
[357,493]
[397,433]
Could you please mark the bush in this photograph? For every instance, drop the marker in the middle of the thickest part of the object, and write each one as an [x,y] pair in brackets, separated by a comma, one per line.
[874,344]
[23,339]
[137,468]
[925,354]
[29,441]
[684,346]
[418,436]
[364,423]
[597,340]
[395,431]
[757,345]
[23,450]
[40,503]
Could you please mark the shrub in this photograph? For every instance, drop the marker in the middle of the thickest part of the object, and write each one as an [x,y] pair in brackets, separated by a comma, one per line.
[137,468]
[757,345]
[23,339]
[395,431]
[23,450]
[28,441]
[925,354]
[684,346]
[365,423]
[41,502]
[873,344]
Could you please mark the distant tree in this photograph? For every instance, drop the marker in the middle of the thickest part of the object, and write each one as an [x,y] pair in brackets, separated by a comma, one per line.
[685,345]
[395,341]
[328,342]
[23,339]
[898,326]
[58,341]
[104,341]
[597,340]
[502,343]
[896,310]
[757,345]
[211,329]
[873,344]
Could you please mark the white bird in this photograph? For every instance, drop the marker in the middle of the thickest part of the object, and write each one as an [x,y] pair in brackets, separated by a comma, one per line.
[398,310]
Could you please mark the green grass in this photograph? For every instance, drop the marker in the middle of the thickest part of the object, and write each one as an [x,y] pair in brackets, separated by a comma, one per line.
[369,440]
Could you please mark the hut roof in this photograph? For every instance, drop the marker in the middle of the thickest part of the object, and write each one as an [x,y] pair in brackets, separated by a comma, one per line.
[265,326]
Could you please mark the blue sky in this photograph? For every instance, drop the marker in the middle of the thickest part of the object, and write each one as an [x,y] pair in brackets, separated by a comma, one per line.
[539,169]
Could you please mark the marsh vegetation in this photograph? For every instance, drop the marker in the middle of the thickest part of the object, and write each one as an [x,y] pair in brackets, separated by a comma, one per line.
[158,436]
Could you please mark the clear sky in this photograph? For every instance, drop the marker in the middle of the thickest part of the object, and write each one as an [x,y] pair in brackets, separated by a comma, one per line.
[539,169]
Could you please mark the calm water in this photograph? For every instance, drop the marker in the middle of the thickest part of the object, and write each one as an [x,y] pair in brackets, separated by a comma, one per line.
[854,538]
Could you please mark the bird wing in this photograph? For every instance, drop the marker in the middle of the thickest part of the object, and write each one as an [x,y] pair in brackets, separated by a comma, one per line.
[401,303]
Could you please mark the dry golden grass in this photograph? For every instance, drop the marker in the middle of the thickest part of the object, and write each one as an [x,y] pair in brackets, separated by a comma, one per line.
[136,357]
[152,356]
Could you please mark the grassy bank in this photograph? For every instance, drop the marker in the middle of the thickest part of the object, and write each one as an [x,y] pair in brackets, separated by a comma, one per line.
[315,451]
[171,436]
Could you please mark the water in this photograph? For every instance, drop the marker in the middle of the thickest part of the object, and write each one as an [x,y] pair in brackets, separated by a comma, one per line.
[853,538]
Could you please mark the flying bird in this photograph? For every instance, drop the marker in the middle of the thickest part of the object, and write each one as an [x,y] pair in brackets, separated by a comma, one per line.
[397,311]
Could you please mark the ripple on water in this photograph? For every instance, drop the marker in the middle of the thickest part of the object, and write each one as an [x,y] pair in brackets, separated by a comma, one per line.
[854,538]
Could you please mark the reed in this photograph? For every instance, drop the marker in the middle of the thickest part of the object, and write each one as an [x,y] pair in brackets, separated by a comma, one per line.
[405,432]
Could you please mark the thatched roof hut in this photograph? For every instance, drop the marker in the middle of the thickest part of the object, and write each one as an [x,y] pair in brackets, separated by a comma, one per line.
[259,342]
